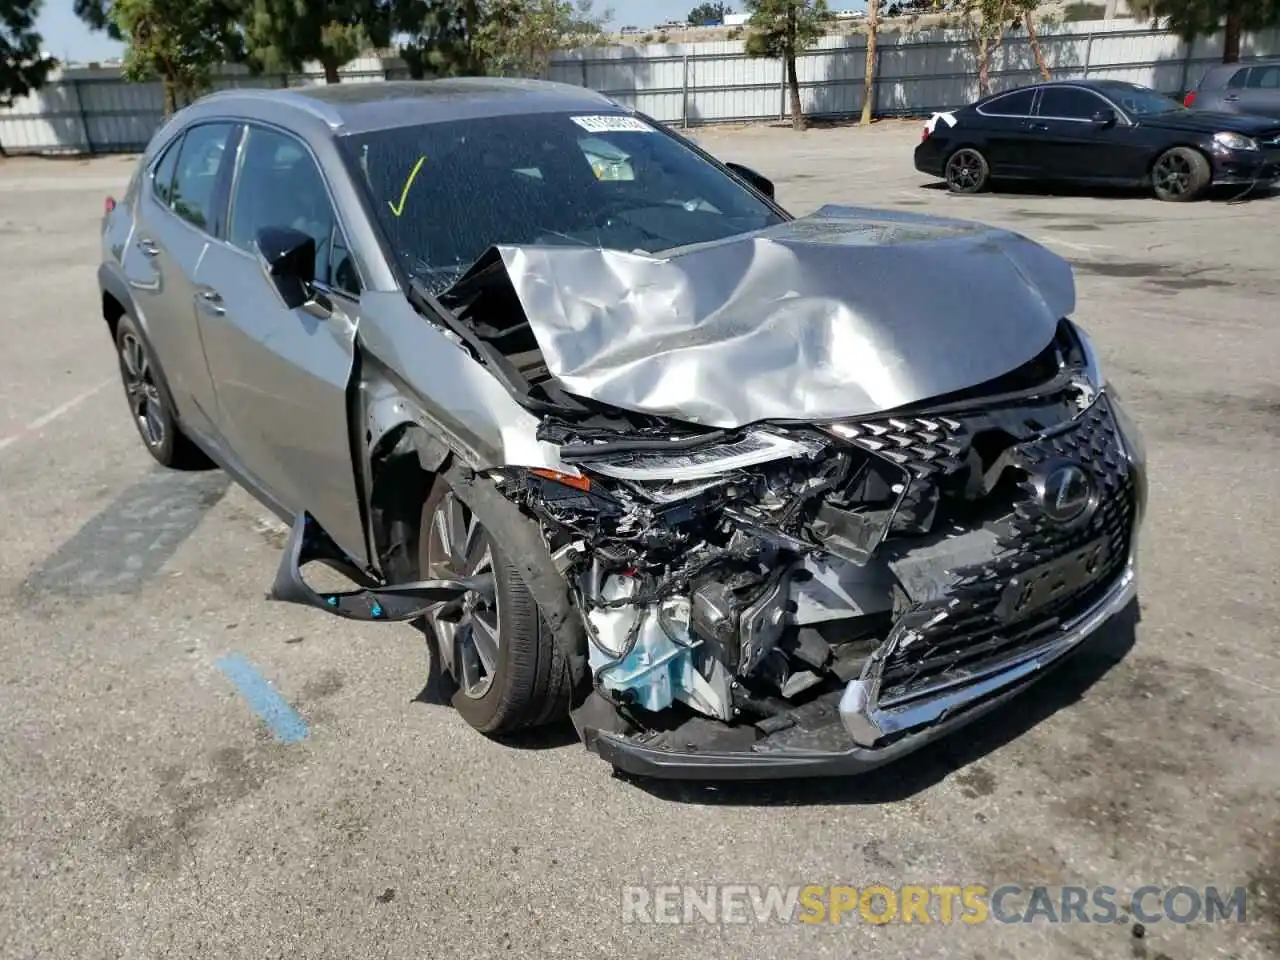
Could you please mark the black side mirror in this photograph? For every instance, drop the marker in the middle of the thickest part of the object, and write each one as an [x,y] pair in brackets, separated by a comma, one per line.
[289,257]
[757,180]
[1106,117]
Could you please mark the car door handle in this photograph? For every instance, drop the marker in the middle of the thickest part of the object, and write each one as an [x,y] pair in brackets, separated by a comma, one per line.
[1037,125]
[210,301]
[148,246]
[1231,98]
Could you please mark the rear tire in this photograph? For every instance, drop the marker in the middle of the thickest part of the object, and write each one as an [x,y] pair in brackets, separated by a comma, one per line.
[150,405]
[967,171]
[509,674]
[1180,175]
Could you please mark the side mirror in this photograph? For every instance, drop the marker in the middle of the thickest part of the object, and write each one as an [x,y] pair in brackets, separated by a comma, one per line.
[1106,117]
[289,258]
[757,180]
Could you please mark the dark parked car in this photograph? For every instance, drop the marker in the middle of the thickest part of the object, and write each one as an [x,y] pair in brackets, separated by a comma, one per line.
[1237,88]
[1098,132]
[744,494]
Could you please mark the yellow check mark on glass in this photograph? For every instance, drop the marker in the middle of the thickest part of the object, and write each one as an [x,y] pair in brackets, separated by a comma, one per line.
[397,209]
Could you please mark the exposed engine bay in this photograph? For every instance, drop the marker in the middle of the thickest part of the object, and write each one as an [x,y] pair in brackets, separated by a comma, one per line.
[740,575]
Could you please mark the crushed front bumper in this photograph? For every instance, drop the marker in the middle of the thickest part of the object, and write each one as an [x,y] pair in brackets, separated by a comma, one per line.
[861,735]
[1240,167]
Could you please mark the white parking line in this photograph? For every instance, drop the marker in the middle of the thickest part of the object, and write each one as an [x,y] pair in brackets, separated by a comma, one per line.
[1073,245]
[35,426]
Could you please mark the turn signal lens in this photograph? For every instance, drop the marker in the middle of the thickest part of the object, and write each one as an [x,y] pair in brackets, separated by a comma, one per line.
[578,483]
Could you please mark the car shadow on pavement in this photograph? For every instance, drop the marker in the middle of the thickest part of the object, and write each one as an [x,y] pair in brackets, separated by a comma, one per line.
[931,764]
[1034,188]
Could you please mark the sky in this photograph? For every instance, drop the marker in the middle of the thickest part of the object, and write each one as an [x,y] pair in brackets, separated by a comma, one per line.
[69,39]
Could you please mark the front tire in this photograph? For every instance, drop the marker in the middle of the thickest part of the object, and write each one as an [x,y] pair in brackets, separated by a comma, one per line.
[1180,175]
[967,171]
[150,405]
[508,673]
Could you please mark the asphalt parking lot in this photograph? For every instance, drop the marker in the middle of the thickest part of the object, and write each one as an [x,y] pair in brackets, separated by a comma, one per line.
[146,812]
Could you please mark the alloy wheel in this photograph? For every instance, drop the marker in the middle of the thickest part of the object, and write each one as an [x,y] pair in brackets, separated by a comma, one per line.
[468,631]
[1172,174]
[142,392]
[964,170]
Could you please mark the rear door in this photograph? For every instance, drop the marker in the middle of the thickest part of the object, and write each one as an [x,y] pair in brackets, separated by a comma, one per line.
[177,210]
[1006,120]
[281,374]
[1261,93]
[1074,146]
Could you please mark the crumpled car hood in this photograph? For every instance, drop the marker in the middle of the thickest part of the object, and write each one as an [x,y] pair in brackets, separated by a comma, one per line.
[844,313]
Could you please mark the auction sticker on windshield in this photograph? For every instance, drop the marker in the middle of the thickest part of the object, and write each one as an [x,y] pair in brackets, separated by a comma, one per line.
[612,123]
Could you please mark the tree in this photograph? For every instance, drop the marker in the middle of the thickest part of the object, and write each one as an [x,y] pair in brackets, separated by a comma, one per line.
[1193,19]
[23,67]
[283,35]
[1033,40]
[709,13]
[175,41]
[782,28]
[442,36]
[869,78]
[519,37]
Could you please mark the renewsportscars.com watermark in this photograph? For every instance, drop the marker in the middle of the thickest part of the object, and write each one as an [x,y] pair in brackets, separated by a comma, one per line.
[942,903]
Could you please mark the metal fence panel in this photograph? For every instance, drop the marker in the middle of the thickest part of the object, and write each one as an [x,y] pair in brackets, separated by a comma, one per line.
[96,111]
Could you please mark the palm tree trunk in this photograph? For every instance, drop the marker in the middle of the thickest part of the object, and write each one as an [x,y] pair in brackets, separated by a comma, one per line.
[793,82]
[869,78]
[331,74]
[1231,35]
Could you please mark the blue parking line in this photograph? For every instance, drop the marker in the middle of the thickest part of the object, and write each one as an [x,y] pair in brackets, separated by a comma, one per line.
[281,719]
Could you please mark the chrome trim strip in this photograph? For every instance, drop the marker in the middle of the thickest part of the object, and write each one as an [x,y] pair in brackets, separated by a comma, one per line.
[867,722]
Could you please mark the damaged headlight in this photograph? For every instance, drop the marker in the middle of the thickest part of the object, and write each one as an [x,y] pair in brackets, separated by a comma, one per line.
[1234,141]
[700,463]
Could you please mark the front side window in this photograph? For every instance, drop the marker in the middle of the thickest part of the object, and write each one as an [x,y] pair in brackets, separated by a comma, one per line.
[1069,103]
[280,185]
[195,180]
[444,193]
[1264,78]
[1016,104]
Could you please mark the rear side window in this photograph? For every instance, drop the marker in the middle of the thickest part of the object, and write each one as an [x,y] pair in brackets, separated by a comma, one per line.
[1264,78]
[1070,103]
[1237,79]
[1015,104]
[196,179]
[162,177]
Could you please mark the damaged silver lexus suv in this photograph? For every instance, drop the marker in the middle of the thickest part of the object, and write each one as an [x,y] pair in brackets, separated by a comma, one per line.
[745,495]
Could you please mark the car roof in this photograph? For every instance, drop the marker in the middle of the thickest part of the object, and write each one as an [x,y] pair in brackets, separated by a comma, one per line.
[364,107]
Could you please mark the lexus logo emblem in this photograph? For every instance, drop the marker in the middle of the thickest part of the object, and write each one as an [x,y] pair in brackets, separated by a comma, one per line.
[1066,492]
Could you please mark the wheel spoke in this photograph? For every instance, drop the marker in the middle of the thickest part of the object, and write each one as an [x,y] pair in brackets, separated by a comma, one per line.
[470,671]
[484,635]
[456,529]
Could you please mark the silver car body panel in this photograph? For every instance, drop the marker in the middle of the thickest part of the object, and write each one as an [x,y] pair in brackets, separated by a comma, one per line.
[840,314]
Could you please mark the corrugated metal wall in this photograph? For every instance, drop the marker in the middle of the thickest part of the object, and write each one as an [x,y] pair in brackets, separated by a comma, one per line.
[690,84]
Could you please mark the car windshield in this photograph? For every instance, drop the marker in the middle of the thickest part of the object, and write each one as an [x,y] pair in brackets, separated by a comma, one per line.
[445,192]
[1140,101]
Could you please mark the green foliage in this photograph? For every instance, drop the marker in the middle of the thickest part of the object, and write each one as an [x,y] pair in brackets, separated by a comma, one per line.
[1075,12]
[442,36]
[97,15]
[175,41]
[282,35]
[708,13]
[782,28]
[1193,19]
[519,37]
[23,67]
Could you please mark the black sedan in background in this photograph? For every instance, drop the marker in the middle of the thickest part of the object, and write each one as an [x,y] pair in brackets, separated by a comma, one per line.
[1098,132]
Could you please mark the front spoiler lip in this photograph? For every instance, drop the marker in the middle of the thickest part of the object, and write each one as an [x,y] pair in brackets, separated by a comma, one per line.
[918,722]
